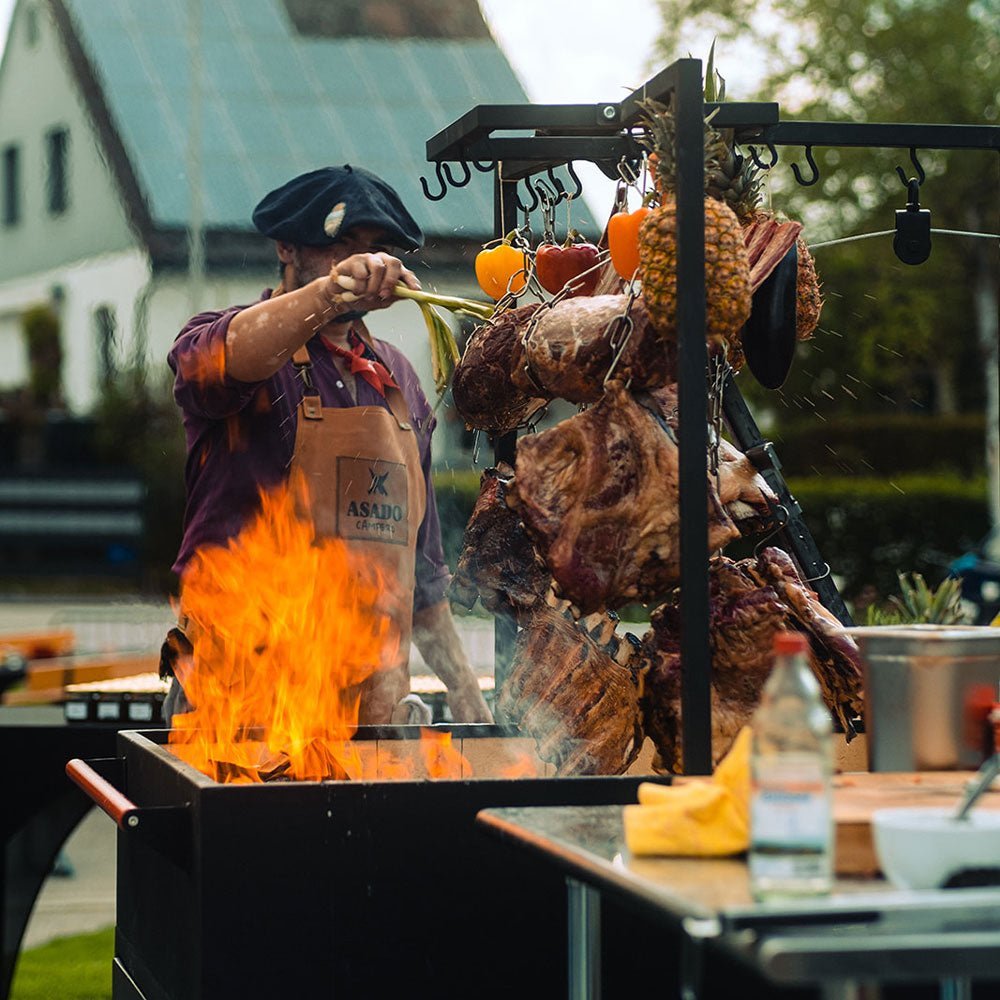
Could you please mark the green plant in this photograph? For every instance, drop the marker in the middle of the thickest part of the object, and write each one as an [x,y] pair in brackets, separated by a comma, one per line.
[43,341]
[138,425]
[919,604]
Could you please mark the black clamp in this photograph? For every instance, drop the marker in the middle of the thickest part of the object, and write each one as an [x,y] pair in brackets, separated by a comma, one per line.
[912,242]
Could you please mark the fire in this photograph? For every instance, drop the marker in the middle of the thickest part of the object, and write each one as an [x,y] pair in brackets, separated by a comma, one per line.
[285,630]
[441,759]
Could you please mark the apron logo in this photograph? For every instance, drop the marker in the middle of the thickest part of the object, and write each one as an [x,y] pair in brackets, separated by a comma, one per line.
[372,500]
[378,483]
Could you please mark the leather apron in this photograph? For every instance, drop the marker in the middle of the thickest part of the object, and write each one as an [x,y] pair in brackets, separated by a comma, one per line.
[366,486]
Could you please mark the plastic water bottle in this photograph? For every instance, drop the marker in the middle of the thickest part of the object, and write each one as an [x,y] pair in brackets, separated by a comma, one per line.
[791,765]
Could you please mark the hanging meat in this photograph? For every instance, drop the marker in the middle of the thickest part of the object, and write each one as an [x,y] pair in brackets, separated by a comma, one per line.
[743,491]
[498,564]
[750,601]
[570,348]
[482,389]
[571,688]
[598,495]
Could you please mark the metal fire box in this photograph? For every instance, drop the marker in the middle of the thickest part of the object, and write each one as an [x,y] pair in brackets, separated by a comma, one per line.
[329,889]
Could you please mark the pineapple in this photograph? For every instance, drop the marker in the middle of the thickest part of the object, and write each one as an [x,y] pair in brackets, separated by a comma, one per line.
[735,179]
[727,272]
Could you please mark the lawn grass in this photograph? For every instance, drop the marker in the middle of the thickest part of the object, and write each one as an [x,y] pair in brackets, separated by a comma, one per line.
[72,968]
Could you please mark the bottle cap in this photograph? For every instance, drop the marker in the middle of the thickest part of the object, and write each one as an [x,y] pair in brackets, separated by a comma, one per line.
[790,642]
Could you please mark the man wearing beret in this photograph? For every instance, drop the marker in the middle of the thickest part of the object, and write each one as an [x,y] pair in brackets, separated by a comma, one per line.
[303,386]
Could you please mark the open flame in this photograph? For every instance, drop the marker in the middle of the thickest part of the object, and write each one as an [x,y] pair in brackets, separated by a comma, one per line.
[285,630]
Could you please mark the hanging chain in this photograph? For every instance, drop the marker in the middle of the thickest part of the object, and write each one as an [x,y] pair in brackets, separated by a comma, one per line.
[718,369]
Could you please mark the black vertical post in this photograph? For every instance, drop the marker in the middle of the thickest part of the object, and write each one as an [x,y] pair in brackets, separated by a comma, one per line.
[696,660]
[505,448]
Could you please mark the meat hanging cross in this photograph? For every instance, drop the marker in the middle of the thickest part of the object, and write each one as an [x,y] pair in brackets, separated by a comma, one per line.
[598,495]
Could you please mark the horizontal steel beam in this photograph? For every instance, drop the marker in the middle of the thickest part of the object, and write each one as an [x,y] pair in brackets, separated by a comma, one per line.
[882,135]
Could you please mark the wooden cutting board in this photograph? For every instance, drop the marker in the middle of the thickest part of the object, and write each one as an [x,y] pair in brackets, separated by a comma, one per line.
[856,796]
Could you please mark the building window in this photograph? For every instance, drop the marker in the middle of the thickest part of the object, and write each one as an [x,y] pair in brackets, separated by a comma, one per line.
[57,146]
[11,185]
[31,24]
[105,333]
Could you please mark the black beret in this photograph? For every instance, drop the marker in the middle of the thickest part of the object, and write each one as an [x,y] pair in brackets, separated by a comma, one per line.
[314,209]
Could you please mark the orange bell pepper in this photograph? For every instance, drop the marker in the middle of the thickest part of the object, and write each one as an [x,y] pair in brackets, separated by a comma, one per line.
[497,270]
[623,241]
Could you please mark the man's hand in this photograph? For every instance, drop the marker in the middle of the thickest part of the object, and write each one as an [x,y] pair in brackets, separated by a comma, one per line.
[467,703]
[374,276]
[439,645]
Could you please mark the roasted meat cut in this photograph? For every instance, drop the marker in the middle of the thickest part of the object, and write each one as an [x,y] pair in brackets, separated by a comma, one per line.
[570,347]
[750,601]
[598,495]
[498,564]
[482,389]
[571,688]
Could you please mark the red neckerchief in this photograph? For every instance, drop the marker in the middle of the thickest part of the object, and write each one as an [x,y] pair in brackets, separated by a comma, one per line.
[370,369]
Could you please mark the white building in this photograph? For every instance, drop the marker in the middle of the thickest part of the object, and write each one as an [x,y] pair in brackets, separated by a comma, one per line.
[123,123]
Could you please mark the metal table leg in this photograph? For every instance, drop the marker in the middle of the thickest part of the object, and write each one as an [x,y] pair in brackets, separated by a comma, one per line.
[584,927]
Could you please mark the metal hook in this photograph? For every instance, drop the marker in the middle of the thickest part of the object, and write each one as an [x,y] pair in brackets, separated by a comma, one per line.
[441,181]
[628,173]
[578,184]
[534,197]
[780,522]
[760,163]
[561,194]
[921,176]
[812,164]
[451,180]
[822,576]
[484,167]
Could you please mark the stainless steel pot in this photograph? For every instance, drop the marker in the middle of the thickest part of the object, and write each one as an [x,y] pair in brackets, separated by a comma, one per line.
[927,688]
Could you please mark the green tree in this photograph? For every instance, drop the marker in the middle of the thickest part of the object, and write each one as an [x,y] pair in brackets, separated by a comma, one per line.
[891,336]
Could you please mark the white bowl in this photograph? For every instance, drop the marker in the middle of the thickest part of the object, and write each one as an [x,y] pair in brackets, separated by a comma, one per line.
[923,848]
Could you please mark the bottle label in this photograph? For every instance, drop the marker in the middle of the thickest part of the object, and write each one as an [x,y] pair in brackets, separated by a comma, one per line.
[790,807]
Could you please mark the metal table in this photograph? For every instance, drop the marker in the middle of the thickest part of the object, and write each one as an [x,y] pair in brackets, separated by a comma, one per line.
[847,944]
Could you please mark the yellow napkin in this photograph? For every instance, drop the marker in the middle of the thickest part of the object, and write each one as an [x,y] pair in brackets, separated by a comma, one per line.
[700,818]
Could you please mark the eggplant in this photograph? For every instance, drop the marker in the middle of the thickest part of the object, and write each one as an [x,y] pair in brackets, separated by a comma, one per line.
[769,333]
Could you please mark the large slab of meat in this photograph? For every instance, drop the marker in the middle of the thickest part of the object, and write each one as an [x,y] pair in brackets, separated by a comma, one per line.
[570,348]
[750,601]
[482,387]
[571,688]
[598,494]
[498,564]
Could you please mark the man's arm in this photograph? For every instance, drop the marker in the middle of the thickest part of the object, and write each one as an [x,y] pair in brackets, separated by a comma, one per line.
[264,336]
[436,638]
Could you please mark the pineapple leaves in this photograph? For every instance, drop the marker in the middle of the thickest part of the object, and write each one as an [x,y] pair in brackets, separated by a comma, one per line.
[918,604]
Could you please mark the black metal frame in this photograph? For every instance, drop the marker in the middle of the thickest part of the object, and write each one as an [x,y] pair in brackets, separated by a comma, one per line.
[600,133]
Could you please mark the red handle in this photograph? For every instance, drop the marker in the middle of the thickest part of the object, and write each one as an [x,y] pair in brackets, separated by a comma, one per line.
[121,809]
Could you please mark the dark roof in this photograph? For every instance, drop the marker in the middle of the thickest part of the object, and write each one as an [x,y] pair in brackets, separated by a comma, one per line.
[277,102]
[388,18]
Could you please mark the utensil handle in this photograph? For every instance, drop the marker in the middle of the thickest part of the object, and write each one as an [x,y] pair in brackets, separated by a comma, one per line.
[983,779]
[110,799]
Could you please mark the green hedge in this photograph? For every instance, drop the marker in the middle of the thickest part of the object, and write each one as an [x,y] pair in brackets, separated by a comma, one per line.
[867,529]
[886,444]
[870,529]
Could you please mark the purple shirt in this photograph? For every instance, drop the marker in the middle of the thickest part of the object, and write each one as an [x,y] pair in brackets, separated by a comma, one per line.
[241,435]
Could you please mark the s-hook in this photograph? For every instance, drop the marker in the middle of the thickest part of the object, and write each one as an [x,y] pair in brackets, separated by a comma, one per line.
[441,182]
[812,164]
[760,164]
[466,176]
[921,176]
